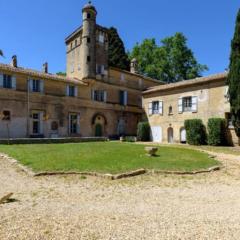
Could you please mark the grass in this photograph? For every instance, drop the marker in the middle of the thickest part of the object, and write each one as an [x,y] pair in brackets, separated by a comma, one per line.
[110,157]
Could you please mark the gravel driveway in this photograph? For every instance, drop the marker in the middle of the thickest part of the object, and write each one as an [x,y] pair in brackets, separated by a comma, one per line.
[205,206]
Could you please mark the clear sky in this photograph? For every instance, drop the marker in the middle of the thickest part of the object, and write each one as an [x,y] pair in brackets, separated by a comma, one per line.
[35,30]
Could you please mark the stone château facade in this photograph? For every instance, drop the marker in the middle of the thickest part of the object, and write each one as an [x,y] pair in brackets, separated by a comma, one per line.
[95,99]
[92,100]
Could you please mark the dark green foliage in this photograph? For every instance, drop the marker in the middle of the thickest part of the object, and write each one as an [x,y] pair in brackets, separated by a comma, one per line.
[143,131]
[117,55]
[216,131]
[129,139]
[1,53]
[234,77]
[196,132]
[61,74]
[173,61]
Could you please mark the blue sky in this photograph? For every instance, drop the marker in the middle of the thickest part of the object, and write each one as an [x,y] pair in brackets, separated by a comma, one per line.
[35,30]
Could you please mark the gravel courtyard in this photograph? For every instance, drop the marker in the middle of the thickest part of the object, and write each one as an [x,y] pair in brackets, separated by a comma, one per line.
[205,206]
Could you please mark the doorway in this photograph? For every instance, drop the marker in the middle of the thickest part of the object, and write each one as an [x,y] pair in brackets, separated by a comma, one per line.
[170,135]
[98,130]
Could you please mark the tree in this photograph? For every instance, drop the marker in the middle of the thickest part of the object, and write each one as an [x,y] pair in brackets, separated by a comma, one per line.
[172,61]
[234,77]
[61,74]
[117,54]
[1,53]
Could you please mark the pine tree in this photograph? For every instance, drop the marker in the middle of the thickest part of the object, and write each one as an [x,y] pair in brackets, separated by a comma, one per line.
[234,77]
[117,55]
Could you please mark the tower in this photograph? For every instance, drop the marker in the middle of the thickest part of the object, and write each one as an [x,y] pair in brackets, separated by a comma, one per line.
[88,48]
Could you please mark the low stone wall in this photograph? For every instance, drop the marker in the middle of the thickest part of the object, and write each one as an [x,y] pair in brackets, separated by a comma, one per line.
[52,140]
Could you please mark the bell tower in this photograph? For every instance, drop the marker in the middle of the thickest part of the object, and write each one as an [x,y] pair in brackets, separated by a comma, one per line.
[88,48]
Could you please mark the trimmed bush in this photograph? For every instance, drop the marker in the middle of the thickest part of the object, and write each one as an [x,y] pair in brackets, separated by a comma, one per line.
[143,132]
[196,132]
[216,131]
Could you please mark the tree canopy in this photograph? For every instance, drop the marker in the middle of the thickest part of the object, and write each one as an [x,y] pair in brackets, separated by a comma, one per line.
[1,53]
[234,77]
[117,54]
[172,61]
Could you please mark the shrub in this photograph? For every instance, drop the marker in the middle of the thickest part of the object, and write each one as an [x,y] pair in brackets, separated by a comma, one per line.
[129,139]
[196,132]
[143,131]
[216,131]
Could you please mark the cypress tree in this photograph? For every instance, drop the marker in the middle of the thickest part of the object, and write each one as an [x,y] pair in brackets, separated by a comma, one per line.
[234,77]
[1,53]
[117,55]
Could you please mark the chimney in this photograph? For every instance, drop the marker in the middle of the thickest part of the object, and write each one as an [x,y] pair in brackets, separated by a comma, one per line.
[134,66]
[14,61]
[45,67]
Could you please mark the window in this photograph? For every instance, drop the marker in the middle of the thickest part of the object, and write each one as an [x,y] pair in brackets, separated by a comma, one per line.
[101,38]
[188,104]
[123,95]
[100,69]
[71,91]
[88,59]
[36,85]
[54,126]
[74,124]
[99,95]
[76,42]
[88,15]
[88,40]
[155,107]
[6,116]
[170,110]
[7,81]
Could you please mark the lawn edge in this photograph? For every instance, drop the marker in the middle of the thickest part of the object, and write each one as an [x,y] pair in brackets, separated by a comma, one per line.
[109,176]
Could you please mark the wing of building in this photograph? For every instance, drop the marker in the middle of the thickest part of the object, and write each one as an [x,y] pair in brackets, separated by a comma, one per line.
[168,106]
[92,100]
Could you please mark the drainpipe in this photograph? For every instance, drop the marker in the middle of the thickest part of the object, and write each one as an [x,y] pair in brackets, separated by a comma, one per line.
[28,107]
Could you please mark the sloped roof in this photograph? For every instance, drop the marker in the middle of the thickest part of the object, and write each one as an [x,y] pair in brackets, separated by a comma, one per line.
[38,74]
[79,29]
[186,83]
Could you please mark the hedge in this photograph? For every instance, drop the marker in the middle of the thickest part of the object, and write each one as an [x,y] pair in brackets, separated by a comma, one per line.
[143,131]
[216,131]
[196,132]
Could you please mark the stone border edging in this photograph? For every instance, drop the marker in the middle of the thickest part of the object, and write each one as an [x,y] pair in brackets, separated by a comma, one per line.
[108,176]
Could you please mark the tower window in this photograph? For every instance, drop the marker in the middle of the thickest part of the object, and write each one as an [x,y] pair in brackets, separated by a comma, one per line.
[88,58]
[88,39]
[76,42]
[88,15]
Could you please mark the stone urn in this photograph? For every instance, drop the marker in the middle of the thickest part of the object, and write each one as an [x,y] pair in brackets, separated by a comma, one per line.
[151,151]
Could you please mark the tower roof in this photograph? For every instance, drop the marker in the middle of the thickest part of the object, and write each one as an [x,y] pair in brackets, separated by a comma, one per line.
[89,6]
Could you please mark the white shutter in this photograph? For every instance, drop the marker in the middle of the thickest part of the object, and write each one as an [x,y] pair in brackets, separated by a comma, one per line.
[41,86]
[67,90]
[105,96]
[194,104]
[41,123]
[102,69]
[1,80]
[125,98]
[14,82]
[30,85]
[180,105]
[150,112]
[78,123]
[160,110]
[92,94]
[75,91]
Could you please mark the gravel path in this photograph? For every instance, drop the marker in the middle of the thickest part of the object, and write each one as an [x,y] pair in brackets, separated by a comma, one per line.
[205,206]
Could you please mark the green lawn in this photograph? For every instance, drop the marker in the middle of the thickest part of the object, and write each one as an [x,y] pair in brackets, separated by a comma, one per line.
[105,157]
